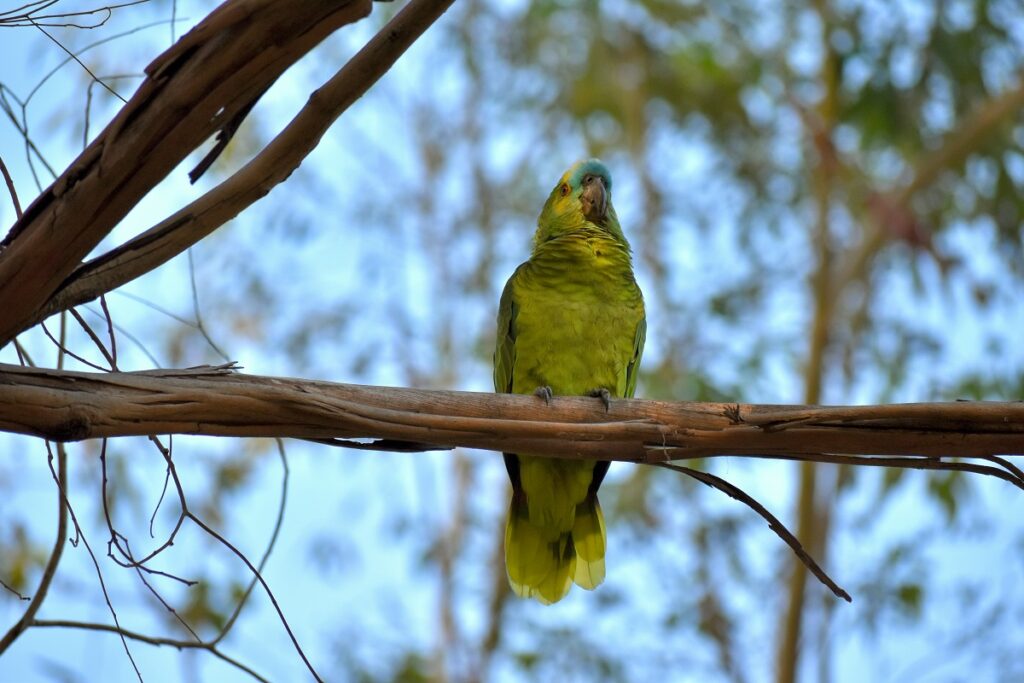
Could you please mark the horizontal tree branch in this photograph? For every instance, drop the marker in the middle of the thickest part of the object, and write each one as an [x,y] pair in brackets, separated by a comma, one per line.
[217,401]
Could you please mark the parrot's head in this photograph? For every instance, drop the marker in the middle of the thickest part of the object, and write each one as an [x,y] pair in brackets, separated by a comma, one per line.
[582,196]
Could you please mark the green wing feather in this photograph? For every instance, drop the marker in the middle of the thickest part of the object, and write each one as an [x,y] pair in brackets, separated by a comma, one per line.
[538,566]
[504,352]
[632,370]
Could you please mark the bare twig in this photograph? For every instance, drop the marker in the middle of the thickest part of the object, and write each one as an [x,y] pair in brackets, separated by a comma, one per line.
[110,332]
[1007,471]
[55,555]
[270,546]
[167,478]
[151,640]
[14,591]
[79,61]
[778,527]
[126,558]
[130,337]
[20,123]
[79,534]
[95,338]
[10,188]
[266,589]
[65,349]
[26,15]
[197,312]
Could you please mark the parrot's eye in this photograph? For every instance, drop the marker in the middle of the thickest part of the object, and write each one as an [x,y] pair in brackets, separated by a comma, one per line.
[564,189]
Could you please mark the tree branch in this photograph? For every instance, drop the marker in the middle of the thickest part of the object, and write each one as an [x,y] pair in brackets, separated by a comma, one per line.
[270,167]
[192,90]
[778,527]
[215,401]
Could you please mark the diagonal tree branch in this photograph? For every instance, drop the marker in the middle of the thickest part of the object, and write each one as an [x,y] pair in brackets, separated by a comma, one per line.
[778,527]
[271,166]
[192,90]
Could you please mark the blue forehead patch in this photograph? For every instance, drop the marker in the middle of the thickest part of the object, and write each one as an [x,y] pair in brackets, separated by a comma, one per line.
[589,167]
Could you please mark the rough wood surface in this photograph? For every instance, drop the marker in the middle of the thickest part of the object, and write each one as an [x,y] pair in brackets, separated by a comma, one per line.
[70,406]
[270,167]
[191,91]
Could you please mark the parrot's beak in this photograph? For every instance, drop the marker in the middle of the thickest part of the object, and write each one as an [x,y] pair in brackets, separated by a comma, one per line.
[594,199]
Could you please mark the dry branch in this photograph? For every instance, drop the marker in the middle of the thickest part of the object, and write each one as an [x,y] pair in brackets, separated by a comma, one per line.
[176,233]
[70,406]
[191,91]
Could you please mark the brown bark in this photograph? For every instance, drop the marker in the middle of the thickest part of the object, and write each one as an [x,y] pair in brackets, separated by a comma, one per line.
[270,167]
[71,406]
[202,84]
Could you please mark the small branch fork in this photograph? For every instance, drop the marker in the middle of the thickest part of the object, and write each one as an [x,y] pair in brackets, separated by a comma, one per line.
[119,550]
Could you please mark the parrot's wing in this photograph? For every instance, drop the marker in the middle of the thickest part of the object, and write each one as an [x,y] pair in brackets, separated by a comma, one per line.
[505,344]
[504,359]
[632,370]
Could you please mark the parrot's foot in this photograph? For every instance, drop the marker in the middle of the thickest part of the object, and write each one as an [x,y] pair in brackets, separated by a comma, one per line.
[604,395]
[545,393]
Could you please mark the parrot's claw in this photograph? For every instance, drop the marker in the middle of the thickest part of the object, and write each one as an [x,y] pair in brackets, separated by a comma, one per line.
[604,395]
[545,393]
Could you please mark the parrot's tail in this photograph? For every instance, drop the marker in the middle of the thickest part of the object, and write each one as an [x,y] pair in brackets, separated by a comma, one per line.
[543,563]
[588,536]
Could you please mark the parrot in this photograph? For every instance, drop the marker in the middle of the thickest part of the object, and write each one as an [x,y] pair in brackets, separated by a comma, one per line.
[571,321]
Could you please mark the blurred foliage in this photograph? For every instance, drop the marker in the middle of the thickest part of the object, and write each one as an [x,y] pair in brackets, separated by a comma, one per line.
[735,130]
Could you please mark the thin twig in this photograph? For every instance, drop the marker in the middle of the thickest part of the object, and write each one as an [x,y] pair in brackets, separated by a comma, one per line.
[186,513]
[95,339]
[10,188]
[80,535]
[167,480]
[270,546]
[110,332]
[127,560]
[55,555]
[196,310]
[915,462]
[11,589]
[151,640]
[80,62]
[69,352]
[778,527]
[266,588]
[9,19]
[129,336]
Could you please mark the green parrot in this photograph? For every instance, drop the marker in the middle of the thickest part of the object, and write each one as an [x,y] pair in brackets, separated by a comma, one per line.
[571,322]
